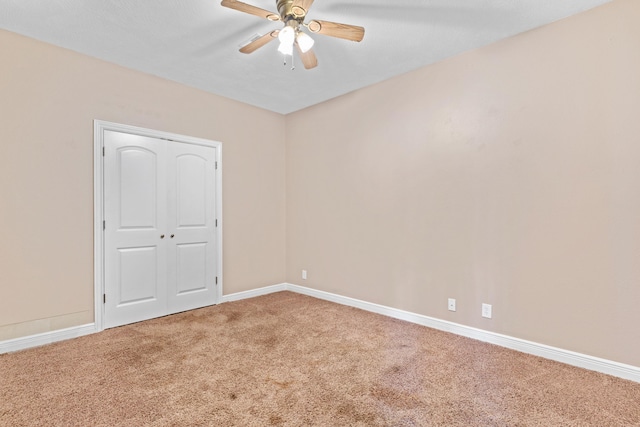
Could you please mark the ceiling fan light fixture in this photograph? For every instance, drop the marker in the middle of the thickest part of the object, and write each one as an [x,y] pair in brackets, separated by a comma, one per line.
[304,42]
[287,35]
[293,14]
[285,49]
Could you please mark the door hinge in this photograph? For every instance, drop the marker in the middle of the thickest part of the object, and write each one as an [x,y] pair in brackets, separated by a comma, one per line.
[104,225]
[104,298]
[216,280]
[216,165]
[102,151]
[216,222]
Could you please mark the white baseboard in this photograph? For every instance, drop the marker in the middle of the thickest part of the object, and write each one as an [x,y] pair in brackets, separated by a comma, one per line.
[46,338]
[605,366]
[254,293]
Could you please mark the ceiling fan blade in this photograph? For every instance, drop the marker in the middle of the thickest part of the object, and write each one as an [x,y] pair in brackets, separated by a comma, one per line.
[301,7]
[252,10]
[309,59]
[334,29]
[259,42]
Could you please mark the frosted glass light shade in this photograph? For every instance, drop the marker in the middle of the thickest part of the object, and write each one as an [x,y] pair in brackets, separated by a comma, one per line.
[285,49]
[287,35]
[304,41]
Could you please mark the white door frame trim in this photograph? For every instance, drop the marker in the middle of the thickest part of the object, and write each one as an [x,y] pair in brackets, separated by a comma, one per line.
[99,126]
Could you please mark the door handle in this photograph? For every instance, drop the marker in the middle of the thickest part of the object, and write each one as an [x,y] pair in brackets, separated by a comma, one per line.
[162,236]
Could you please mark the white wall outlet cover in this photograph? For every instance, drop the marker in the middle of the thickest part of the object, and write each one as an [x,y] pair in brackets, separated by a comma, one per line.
[451,304]
[304,274]
[486,311]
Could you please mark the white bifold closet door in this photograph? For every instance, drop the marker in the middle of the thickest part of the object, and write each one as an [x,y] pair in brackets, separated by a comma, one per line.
[159,238]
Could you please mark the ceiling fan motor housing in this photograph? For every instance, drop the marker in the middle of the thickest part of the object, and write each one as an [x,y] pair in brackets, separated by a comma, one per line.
[289,12]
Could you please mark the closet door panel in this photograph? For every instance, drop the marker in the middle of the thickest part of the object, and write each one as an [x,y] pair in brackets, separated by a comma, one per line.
[191,197]
[191,191]
[191,267]
[135,219]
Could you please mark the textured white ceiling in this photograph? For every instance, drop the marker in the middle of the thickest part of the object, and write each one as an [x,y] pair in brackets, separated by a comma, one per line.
[196,42]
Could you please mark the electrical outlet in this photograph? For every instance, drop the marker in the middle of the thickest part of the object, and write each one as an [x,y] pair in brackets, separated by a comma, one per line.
[486,311]
[304,274]
[452,304]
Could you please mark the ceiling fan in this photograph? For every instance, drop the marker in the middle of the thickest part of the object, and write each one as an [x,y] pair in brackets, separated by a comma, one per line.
[293,13]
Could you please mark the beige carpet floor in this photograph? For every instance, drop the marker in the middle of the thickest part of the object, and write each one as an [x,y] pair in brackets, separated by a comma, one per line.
[290,360]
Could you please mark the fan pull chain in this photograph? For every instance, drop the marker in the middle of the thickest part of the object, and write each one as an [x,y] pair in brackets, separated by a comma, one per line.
[293,65]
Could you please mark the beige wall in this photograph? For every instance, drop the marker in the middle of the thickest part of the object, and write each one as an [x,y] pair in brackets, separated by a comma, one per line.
[508,175]
[49,98]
